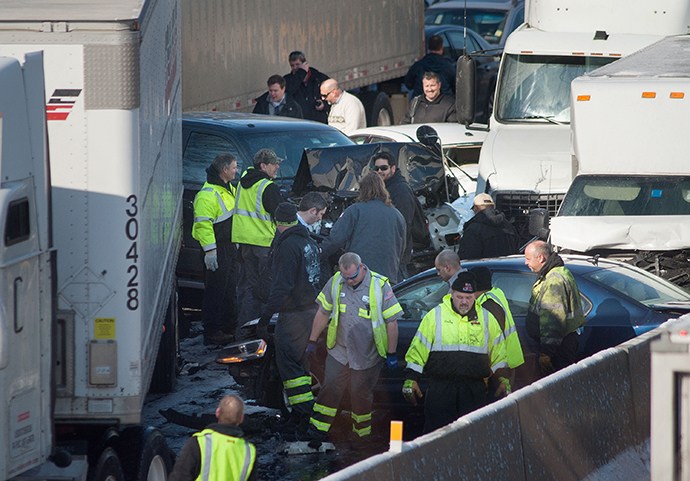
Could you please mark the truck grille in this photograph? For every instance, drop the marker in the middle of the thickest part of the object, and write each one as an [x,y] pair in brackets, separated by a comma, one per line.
[518,205]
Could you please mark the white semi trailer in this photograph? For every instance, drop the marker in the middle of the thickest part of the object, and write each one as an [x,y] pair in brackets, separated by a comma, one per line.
[91,194]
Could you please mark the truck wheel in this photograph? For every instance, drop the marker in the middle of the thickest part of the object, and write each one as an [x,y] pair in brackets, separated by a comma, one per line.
[377,107]
[164,377]
[108,467]
[145,454]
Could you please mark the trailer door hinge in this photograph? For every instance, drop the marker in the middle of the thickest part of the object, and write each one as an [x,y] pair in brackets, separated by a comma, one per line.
[56,27]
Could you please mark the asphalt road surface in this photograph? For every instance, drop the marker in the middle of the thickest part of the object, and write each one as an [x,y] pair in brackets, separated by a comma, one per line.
[203,383]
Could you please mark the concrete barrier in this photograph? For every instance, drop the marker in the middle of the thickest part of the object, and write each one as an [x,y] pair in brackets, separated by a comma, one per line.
[574,421]
[566,427]
[483,445]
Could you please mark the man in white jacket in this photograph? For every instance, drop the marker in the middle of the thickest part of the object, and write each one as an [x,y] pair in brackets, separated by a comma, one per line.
[347,112]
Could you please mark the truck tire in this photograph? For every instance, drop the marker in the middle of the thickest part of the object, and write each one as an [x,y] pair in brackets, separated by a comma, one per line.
[108,467]
[377,108]
[164,377]
[145,454]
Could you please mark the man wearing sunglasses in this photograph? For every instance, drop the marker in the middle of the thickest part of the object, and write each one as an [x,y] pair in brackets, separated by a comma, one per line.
[347,112]
[363,329]
[403,198]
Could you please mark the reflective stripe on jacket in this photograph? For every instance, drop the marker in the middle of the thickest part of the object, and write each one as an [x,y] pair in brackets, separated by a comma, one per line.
[213,204]
[378,317]
[251,223]
[513,347]
[454,347]
[555,307]
[224,457]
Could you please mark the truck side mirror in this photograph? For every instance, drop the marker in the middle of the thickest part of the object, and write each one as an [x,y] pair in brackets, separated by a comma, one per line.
[539,223]
[465,89]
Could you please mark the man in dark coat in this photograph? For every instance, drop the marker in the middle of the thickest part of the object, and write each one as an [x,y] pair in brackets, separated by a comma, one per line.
[432,106]
[303,84]
[294,286]
[434,61]
[488,233]
[406,202]
[277,101]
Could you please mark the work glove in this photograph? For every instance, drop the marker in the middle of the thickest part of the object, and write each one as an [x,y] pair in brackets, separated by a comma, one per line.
[311,348]
[411,391]
[545,364]
[392,361]
[211,260]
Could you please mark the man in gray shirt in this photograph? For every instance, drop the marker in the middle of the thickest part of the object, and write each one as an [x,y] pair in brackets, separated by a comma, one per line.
[363,329]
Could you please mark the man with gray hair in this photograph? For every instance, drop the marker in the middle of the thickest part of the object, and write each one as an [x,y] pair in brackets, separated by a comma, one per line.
[253,226]
[219,449]
[363,329]
[213,207]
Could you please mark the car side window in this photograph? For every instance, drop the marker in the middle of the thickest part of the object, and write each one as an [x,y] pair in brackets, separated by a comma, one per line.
[457,39]
[517,287]
[201,149]
[448,49]
[420,298]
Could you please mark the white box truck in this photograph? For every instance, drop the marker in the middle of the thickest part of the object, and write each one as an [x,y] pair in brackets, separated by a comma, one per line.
[91,233]
[525,159]
[630,144]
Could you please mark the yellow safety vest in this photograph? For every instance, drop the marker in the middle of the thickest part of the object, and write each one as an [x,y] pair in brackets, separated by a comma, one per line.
[513,347]
[213,204]
[224,458]
[251,223]
[376,314]
[481,337]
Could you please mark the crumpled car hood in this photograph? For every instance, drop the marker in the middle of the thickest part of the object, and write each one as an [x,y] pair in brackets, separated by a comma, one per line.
[646,233]
[339,169]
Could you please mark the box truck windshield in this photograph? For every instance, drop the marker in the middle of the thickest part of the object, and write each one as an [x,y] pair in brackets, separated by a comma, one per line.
[534,87]
[614,195]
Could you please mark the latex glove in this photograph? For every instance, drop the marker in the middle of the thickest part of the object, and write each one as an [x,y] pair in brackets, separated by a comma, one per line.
[311,348]
[211,260]
[545,364]
[411,391]
[392,361]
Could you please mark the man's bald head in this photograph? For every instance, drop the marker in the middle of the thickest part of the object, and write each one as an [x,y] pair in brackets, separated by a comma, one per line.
[536,255]
[230,410]
[330,91]
[447,263]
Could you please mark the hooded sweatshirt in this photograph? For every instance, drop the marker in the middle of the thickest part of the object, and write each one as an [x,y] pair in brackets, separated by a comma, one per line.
[488,234]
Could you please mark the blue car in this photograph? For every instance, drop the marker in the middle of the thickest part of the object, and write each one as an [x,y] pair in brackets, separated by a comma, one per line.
[620,302]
